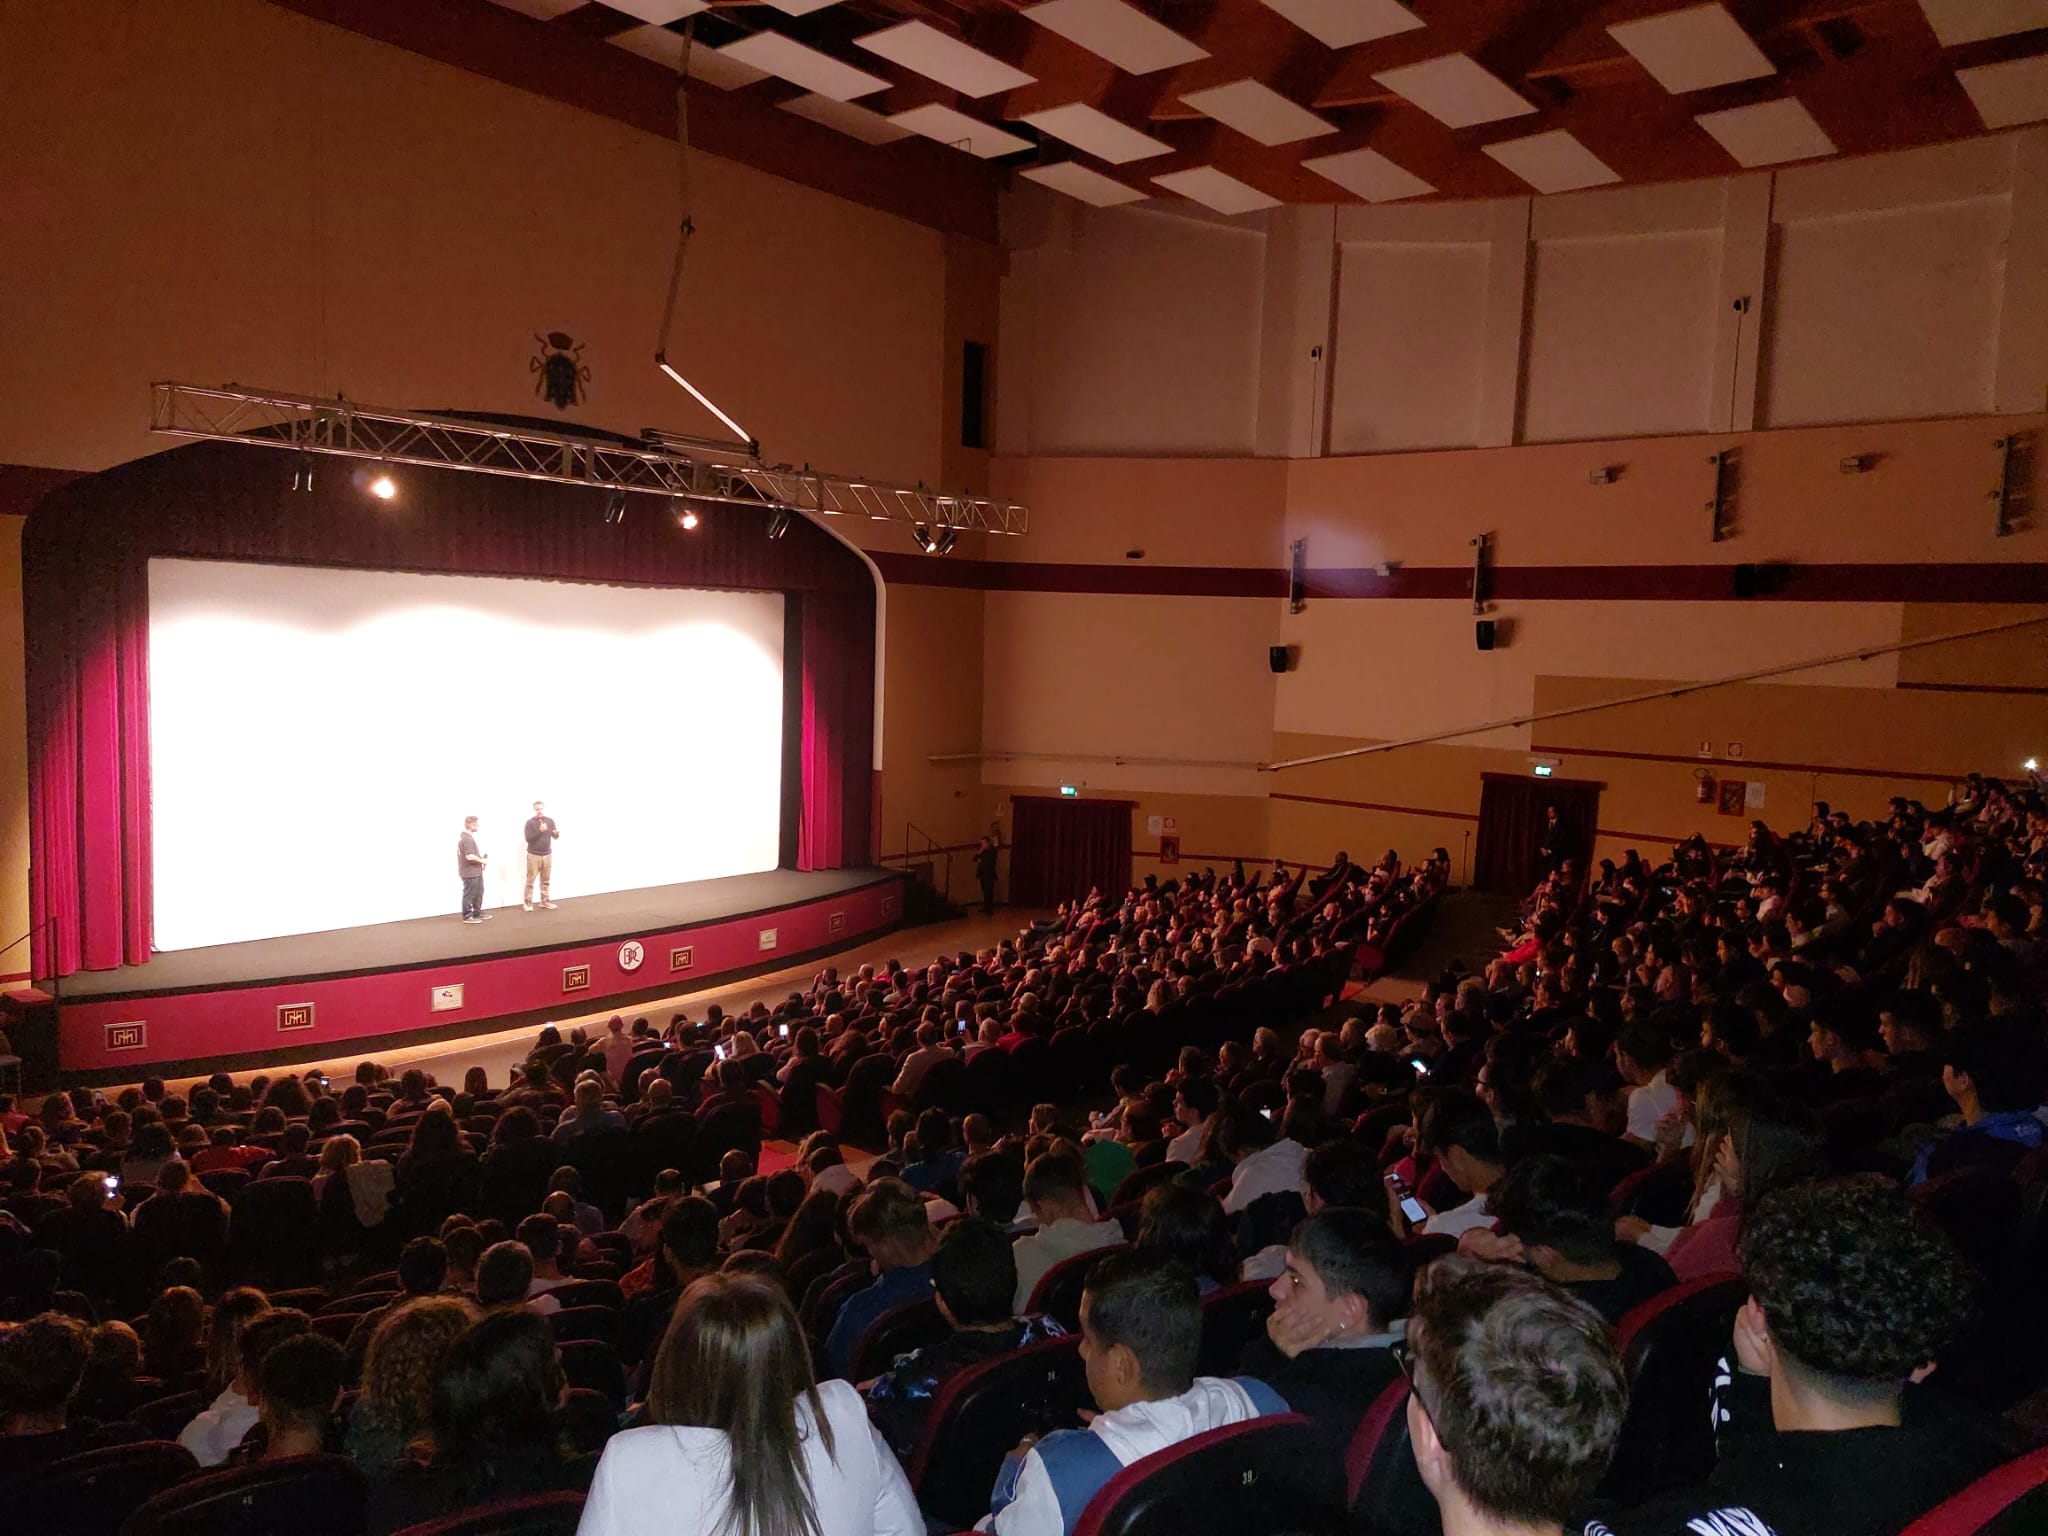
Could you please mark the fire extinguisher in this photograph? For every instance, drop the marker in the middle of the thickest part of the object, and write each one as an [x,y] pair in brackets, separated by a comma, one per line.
[1705,793]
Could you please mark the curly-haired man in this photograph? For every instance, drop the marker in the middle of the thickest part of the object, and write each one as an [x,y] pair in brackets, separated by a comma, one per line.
[1851,1299]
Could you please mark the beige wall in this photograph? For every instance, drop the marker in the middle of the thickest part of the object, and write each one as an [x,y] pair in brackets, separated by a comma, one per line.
[1166,700]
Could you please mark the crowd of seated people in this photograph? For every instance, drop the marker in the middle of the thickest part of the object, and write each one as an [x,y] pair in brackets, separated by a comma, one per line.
[1474,1200]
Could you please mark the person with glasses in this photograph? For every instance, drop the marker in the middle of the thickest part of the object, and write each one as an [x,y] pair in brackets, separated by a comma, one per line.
[1516,1398]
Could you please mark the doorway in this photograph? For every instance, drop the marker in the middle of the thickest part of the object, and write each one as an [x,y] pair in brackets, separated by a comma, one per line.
[1060,849]
[1511,822]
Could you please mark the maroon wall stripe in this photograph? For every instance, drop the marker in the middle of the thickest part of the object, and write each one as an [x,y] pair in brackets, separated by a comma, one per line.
[1869,583]
[1729,767]
[2016,690]
[1375,805]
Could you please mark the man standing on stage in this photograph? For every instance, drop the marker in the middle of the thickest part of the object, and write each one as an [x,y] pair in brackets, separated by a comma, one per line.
[541,833]
[469,863]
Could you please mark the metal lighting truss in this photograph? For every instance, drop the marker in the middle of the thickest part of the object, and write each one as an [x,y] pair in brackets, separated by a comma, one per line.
[692,469]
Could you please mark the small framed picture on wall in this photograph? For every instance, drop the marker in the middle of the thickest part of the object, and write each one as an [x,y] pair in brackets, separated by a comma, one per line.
[1169,849]
[1732,792]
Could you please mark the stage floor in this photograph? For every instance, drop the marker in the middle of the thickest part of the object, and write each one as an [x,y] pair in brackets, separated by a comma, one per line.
[432,940]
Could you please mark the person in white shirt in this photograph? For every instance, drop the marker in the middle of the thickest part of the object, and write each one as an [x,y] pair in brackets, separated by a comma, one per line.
[220,1427]
[743,1438]
[1141,1332]
[1274,1169]
[1642,1051]
[931,1050]
[1055,1188]
[619,1049]
[1459,1130]
[1194,1106]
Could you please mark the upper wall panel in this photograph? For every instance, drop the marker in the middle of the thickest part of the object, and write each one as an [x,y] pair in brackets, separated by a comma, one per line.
[1892,288]
[1134,332]
[1621,336]
[1409,347]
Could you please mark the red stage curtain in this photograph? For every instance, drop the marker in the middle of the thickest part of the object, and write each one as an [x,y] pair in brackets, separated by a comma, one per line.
[1061,849]
[85,560]
[1511,826]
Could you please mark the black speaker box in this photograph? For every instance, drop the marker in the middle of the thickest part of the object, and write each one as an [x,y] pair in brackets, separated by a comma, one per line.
[1482,632]
[1276,657]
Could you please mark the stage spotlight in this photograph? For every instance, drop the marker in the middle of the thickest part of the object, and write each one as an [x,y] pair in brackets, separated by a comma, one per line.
[686,515]
[947,539]
[778,523]
[302,473]
[614,506]
[922,534]
[383,487]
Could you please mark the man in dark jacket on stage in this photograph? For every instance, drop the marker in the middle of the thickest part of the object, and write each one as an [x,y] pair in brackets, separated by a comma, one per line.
[541,833]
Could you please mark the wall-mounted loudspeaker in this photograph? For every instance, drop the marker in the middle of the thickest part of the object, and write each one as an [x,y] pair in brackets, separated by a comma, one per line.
[1482,632]
[1276,657]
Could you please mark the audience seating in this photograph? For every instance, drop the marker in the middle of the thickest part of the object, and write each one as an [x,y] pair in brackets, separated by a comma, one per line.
[1058,1292]
[303,1495]
[92,1493]
[897,1331]
[1669,1347]
[165,1416]
[588,1419]
[274,1238]
[590,1293]
[593,1364]
[2011,1500]
[1232,1316]
[573,1323]
[1228,1481]
[1383,1486]
[979,1415]
[541,1514]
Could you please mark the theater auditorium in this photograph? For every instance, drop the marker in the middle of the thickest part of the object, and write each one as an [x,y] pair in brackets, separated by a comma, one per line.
[1062,767]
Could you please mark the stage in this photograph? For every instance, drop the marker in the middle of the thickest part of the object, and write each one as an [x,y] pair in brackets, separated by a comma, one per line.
[345,993]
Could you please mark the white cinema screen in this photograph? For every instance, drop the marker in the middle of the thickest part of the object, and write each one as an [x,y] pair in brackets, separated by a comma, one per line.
[318,735]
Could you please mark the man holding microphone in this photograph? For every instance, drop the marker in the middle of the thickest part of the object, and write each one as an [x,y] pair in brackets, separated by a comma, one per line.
[541,833]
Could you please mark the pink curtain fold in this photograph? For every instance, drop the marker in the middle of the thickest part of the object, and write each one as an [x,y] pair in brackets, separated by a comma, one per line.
[85,564]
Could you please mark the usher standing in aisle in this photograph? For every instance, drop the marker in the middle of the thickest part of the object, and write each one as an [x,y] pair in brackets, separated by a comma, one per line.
[541,833]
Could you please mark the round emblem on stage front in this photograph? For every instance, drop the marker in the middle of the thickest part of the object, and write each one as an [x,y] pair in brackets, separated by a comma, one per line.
[630,955]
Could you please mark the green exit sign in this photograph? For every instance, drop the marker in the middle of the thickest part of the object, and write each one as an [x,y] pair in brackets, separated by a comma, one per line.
[1070,790]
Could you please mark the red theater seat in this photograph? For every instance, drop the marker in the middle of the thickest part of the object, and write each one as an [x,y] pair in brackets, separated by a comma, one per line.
[1669,1347]
[542,1514]
[91,1494]
[2011,1500]
[1242,1480]
[1058,1292]
[304,1495]
[979,1414]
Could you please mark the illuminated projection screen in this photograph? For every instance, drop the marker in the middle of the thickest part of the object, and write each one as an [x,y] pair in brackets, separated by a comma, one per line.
[317,736]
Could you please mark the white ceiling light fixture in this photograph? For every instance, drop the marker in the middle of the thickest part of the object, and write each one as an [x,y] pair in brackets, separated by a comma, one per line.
[1097,133]
[960,131]
[1216,189]
[1769,133]
[1368,174]
[800,7]
[1347,23]
[659,12]
[1457,90]
[1553,162]
[1693,49]
[936,56]
[672,50]
[2011,93]
[1077,181]
[1120,33]
[1956,22]
[1258,112]
[788,59]
[856,122]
